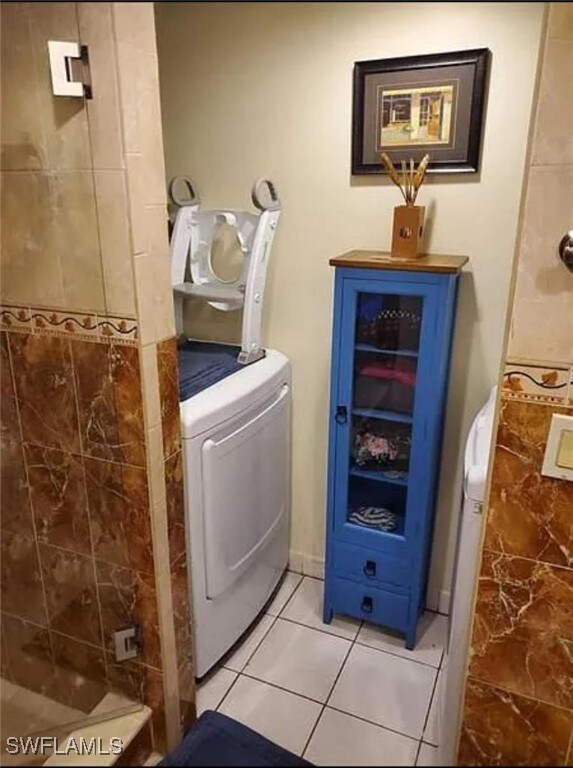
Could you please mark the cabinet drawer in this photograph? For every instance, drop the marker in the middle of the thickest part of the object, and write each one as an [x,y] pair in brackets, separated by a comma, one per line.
[369,566]
[370,603]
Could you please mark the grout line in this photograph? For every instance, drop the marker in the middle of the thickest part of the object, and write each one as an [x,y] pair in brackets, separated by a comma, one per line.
[324,631]
[84,454]
[371,722]
[30,500]
[258,645]
[290,597]
[229,689]
[399,655]
[355,639]
[88,511]
[325,704]
[434,691]
[280,687]
[317,701]
[418,752]
[513,692]
[352,643]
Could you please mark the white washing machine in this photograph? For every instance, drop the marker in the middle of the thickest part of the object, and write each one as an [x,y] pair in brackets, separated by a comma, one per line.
[236,449]
[235,423]
[476,463]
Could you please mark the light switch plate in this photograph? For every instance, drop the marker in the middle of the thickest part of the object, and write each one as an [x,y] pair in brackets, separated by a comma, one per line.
[557,460]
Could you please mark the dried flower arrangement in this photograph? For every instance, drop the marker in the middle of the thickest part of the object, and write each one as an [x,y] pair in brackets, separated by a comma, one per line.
[408,219]
[412,178]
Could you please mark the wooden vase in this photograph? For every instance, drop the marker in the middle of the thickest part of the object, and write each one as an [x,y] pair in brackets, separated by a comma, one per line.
[407,231]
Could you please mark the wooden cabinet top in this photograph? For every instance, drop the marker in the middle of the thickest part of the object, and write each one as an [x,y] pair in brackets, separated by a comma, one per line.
[383,260]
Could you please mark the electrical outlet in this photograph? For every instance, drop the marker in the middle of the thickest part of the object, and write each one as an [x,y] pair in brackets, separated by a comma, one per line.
[127,642]
[558,460]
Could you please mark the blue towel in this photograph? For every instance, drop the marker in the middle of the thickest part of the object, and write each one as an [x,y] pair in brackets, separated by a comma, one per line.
[202,364]
[217,740]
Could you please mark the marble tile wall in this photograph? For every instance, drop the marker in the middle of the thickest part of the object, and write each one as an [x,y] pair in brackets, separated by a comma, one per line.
[518,707]
[92,503]
[173,473]
[77,557]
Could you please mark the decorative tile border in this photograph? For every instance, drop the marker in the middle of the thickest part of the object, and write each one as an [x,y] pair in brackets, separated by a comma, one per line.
[551,384]
[88,326]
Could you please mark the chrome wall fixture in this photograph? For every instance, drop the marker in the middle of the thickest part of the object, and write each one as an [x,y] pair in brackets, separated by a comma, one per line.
[566,250]
[61,55]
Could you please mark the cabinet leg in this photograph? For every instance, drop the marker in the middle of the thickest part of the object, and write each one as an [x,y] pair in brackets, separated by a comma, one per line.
[411,636]
[327,614]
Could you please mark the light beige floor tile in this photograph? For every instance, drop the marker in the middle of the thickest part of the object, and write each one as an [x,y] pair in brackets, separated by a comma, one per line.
[240,657]
[282,717]
[432,633]
[341,739]
[290,583]
[432,729]
[300,659]
[428,755]
[385,689]
[305,607]
[211,692]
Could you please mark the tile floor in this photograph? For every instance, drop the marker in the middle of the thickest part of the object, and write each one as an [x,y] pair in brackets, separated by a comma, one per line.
[346,693]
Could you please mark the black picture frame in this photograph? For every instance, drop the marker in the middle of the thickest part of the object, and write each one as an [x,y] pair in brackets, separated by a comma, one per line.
[413,105]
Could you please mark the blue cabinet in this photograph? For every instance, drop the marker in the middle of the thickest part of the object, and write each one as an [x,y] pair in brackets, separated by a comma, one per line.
[392,332]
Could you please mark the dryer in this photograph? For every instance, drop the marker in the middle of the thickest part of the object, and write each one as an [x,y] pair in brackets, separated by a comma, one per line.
[236,450]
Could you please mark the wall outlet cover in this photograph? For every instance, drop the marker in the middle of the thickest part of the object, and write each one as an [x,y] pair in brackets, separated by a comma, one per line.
[558,460]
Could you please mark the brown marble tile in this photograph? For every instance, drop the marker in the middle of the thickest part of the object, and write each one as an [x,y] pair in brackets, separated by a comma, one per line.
[187,694]
[4,665]
[28,654]
[129,405]
[529,515]
[175,505]
[9,425]
[500,728]
[93,368]
[58,495]
[128,597]
[45,390]
[169,395]
[80,673]
[110,401]
[119,513]
[181,611]
[15,511]
[20,580]
[141,683]
[523,628]
[71,596]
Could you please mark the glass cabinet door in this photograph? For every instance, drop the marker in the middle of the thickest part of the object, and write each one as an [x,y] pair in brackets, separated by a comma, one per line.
[385,351]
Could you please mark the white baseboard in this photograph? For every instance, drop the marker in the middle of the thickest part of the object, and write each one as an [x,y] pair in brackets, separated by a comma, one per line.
[444,602]
[308,565]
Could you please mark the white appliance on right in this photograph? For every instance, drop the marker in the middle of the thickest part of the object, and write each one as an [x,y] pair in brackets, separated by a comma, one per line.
[465,574]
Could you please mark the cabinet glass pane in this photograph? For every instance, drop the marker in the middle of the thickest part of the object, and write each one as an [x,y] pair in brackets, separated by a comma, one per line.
[387,338]
[389,321]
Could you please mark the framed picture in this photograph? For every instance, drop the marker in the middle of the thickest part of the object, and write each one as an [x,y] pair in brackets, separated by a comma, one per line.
[414,105]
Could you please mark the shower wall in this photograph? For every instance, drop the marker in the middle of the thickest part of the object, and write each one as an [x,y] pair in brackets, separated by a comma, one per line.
[519,691]
[92,500]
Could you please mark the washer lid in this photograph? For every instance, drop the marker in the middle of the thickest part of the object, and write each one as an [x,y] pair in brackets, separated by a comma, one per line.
[477,450]
[233,394]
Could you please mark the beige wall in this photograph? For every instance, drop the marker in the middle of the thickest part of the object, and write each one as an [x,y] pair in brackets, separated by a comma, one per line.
[265,89]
